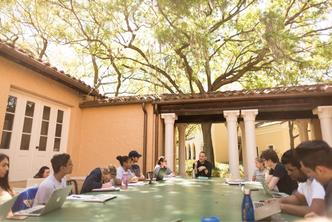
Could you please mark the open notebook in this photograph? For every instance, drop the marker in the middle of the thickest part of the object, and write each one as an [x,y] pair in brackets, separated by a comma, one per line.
[100,198]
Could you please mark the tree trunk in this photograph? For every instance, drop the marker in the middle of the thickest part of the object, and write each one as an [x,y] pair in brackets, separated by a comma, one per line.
[207,139]
[291,134]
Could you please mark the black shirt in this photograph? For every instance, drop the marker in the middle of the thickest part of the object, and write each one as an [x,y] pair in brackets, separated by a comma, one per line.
[93,181]
[285,183]
[202,173]
[328,198]
[136,170]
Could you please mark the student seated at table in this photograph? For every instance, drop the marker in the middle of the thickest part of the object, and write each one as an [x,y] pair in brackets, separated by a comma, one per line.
[315,157]
[260,172]
[6,192]
[99,178]
[135,168]
[278,177]
[62,165]
[202,167]
[309,196]
[161,170]
[125,163]
[43,172]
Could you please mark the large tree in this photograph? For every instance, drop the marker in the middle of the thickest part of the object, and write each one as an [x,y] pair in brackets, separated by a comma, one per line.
[192,46]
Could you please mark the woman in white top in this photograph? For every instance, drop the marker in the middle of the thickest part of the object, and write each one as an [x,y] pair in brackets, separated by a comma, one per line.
[5,192]
[125,163]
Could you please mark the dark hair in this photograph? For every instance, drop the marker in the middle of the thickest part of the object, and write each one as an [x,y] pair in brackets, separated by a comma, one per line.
[59,160]
[41,172]
[203,152]
[289,157]
[161,159]
[122,159]
[270,154]
[314,153]
[4,182]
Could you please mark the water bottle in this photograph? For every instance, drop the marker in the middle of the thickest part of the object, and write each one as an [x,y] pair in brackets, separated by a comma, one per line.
[125,181]
[248,214]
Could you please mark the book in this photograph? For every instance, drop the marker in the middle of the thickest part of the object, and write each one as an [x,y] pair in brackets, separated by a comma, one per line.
[100,198]
[106,189]
[140,183]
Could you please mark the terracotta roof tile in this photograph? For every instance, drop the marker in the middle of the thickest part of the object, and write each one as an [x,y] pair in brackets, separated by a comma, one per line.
[44,67]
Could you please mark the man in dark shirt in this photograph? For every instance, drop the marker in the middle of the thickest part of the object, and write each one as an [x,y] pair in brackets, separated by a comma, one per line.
[202,167]
[316,161]
[278,175]
[134,156]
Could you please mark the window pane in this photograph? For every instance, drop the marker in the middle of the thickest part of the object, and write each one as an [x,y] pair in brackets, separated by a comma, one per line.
[11,104]
[60,116]
[5,140]
[44,128]
[27,125]
[9,119]
[25,142]
[30,108]
[57,144]
[58,130]
[46,113]
[42,143]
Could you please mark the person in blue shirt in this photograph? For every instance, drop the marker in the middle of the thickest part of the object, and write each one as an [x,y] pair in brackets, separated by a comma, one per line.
[99,178]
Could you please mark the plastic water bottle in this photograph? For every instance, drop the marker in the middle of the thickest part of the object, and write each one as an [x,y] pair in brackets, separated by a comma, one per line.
[125,181]
[248,214]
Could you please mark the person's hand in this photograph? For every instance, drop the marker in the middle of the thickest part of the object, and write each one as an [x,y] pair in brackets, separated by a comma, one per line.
[201,168]
[142,177]
[134,180]
[311,215]
[271,200]
[106,185]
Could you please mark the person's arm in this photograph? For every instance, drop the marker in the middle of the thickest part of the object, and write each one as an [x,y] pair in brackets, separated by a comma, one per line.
[273,182]
[317,207]
[254,177]
[43,194]
[296,199]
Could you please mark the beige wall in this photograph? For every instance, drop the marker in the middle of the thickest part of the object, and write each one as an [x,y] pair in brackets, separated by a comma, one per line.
[110,131]
[220,142]
[14,76]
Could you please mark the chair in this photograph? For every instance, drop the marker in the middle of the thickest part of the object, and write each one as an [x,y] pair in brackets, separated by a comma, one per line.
[25,199]
[75,186]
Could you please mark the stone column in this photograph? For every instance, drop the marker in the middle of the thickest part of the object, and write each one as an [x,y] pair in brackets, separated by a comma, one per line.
[325,116]
[244,149]
[315,132]
[249,117]
[233,152]
[169,119]
[302,125]
[182,149]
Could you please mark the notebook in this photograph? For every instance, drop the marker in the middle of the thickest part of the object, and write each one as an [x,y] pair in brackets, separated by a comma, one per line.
[55,202]
[100,198]
[263,210]
[106,189]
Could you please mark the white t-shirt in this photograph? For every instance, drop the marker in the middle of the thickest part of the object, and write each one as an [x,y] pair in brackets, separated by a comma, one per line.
[311,189]
[4,196]
[46,189]
[120,171]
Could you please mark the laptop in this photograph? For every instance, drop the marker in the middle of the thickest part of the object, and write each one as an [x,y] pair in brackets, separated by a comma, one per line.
[5,208]
[273,194]
[55,202]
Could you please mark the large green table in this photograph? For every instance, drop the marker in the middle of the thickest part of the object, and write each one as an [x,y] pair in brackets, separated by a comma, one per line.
[172,200]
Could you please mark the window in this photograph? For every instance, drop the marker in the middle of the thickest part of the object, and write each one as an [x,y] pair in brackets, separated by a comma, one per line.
[58,130]
[44,128]
[27,125]
[8,123]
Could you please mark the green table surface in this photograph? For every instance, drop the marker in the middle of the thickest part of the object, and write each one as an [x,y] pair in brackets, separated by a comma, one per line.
[172,200]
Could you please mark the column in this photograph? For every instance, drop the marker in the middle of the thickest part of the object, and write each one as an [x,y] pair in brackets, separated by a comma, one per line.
[169,119]
[315,132]
[182,149]
[302,125]
[249,117]
[244,150]
[233,152]
[325,117]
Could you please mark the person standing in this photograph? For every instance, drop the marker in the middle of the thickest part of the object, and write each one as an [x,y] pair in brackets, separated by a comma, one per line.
[202,167]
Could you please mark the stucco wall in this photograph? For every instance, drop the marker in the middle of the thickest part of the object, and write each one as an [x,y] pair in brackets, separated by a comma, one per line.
[110,131]
[22,79]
